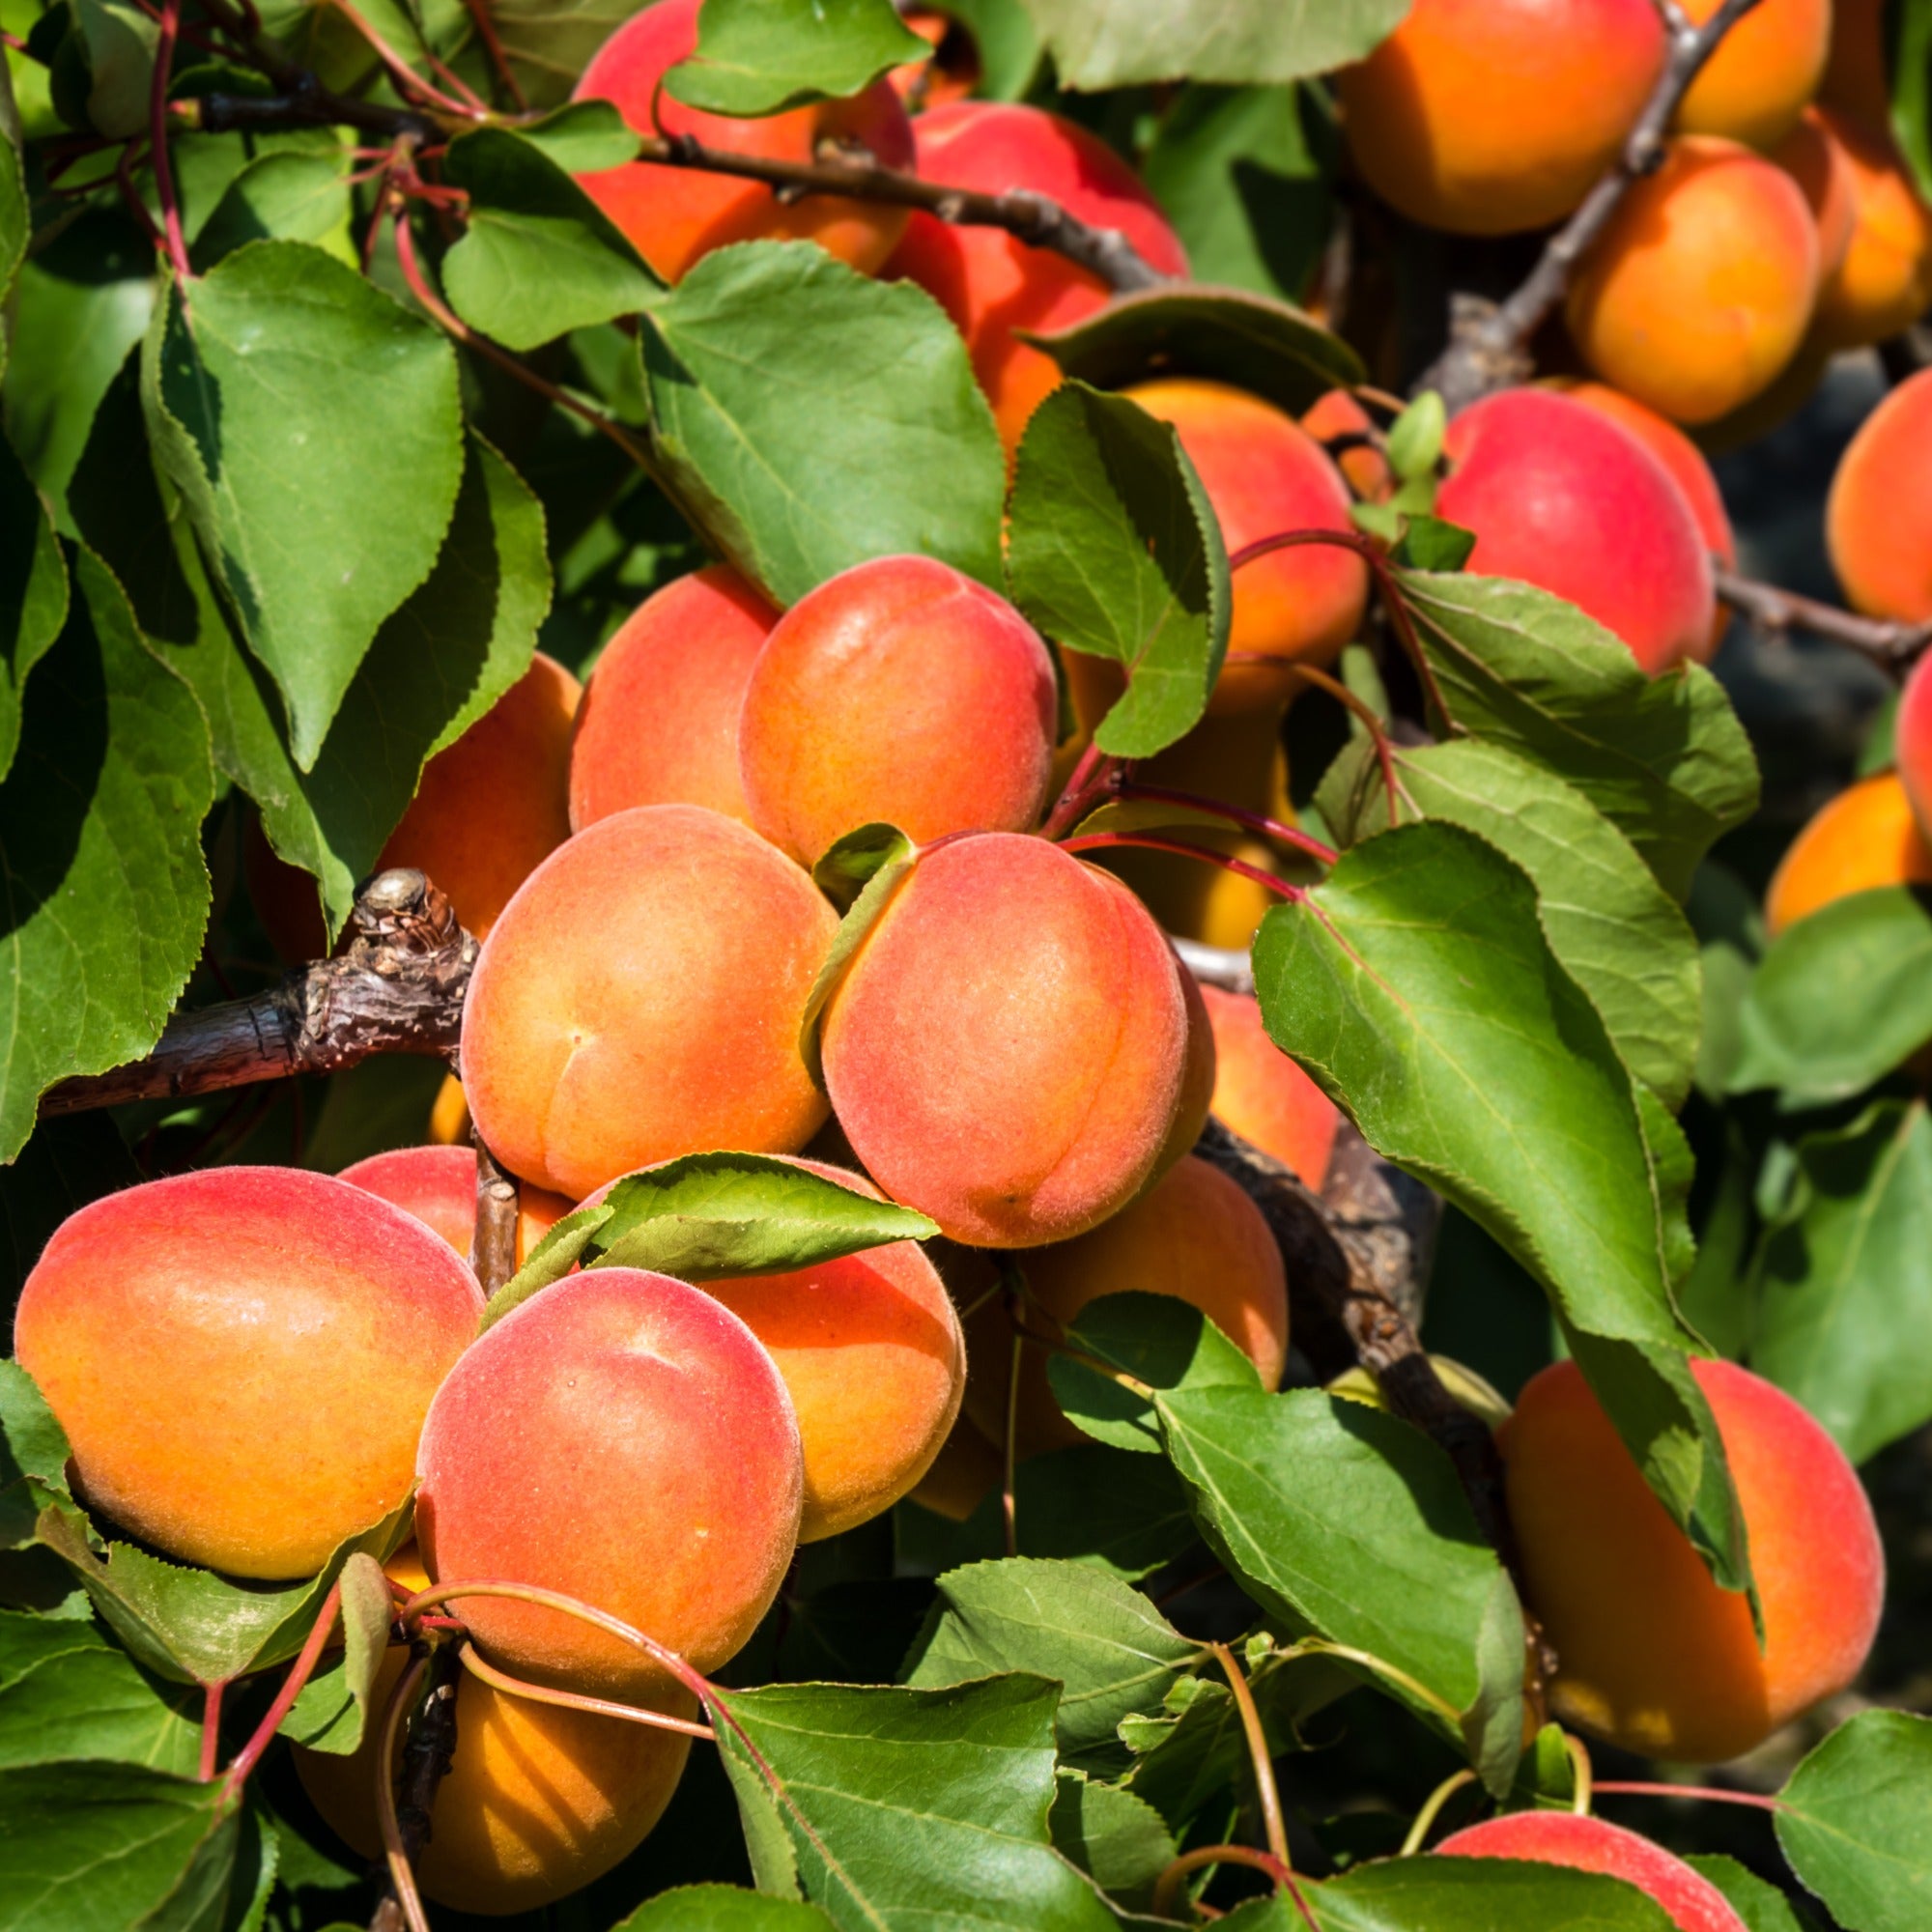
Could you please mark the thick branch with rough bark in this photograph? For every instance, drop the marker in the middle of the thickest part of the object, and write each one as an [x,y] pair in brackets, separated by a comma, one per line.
[1892,647]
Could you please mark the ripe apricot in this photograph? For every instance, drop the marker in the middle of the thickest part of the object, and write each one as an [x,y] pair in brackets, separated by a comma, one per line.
[242,1358]
[1653,1654]
[1560,497]
[1264,475]
[1263,1095]
[1912,739]
[1197,1079]
[675,215]
[990,283]
[1763,73]
[437,1186]
[1485,117]
[1043,1100]
[1588,1844]
[1864,838]
[1336,416]
[1700,290]
[1878,521]
[1817,162]
[1195,1236]
[952,71]
[621,1437]
[1885,281]
[899,692]
[659,722]
[640,998]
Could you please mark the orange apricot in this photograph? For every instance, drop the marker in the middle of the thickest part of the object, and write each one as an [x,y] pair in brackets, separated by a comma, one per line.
[991,283]
[675,215]
[1912,741]
[437,1186]
[622,1439]
[449,1115]
[1337,417]
[1878,520]
[1487,117]
[659,722]
[899,692]
[1885,281]
[1043,1098]
[242,1358]
[1654,1656]
[1764,71]
[953,71]
[1864,838]
[1263,1095]
[1817,162]
[640,998]
[1700,288]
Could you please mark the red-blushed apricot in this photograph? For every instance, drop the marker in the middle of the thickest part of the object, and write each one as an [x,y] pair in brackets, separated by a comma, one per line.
[675,215]
[640,998]
[1588,1844]
[1485,117]
[1700,288]
[1263,1095]
[1764,71]
[1197,1080]
[966,1469]
[1008,1049]
[659,722]
[951,74]
[1817,162]
[537,1802]
[242,1358]
[437,1186]
[1560,497]
[990,283]
[1878,521]
[623,1438]
[1652,1655]
[1885,281]
[1337,416]
[899,692]
[1864,838]
[1912,742]
[1194,1235]
[1264,474]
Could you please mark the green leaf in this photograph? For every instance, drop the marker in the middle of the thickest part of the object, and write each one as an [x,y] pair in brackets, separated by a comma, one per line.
[119,41]
[1110,1650]
[1415,437]
[1115,551]
[33,1456]
[1664,759]
[585,136]
[538,257]
[1103,43]
[884,855]
[758,57]
[32,588]
[1438,1895]
[1761,1906]
[312,427]
[1911,68]
[1429,543]
[1349,1525]
[100,822]
[1840,999]
[849,865]
[333,1708]
[1853,1822]
[807,418]
[1119,1840]
[290,196]
[1008,44]
[67,1693]
[16,217]
[1730,925]
[911,1808]
[722,1907]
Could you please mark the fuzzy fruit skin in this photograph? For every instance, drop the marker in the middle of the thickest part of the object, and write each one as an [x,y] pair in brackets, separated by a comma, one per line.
[990,283]
[1262,1095]
[1589,1844]
[1912,741]
[1264,473]
[437,1186]
[242,1358]
[624,1438]
[900,693]
[1762,75]
[1559,496]
[1043,1101]
[659,722]
[1487,117]
[1700,289]
[1878,520]
[675,215]
[640,998]
[1654,1656]
[1885,280]
[1817,162]
[1865,837]
[1195,1236]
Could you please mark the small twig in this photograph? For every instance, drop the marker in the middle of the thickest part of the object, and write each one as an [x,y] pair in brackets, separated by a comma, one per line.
[1893,647]
[1086,786]
[1168,1886]
[1148,841]
[1274,1825]
[401,1903]
[157,138]
[1709,1792]
[571,1700]
[1432,1809]
[299,1672]
[492,1241]
[1252,821]
[210,1729]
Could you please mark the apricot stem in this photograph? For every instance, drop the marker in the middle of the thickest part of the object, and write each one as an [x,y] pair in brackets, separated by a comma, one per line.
[158,142]
[1235,815]
[1227,863]
[1009,1512]
[571,1700]
[1582,1770]
[299,1672]
[1169,1882]
[1377,731]
[1625,1788]
[395,1854]
[1090,777]
[1266,1788]
[211,1728]
[1432,1809]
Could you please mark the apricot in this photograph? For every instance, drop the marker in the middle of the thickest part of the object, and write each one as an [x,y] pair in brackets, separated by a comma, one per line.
[1700,289]
[1884,283]
[1487,117]
[1864,838]
[437,1186]
[1337,416]
[952,71]
[1262,1095]
[1912,740]
[1764,71]
[1264,474]
[1558,496]
[900,692]
[1653,1655]
[242,1358]
[1194,1235]
[1007,1051]
[675,215]
[659,722]
[1878,520]
[1589,1844]
[1855,68]
[640,998]
[991,283]
[1197,1079]
[1817,162]
[621,1437]
[450,1114]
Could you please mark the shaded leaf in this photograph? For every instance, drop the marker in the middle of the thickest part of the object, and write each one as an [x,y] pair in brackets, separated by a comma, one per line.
[1119,1840]
[1761,1907]
[33,587]
[67,1693]
[295,197]
[585,136]
[1103,43]
[722,1907]
[758,57]
[333,1708]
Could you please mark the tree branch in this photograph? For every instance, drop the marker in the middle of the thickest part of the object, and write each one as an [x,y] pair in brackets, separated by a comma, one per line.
[427,1755]
[1892,647]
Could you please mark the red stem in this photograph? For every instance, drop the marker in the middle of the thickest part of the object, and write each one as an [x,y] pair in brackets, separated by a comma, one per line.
[1091,776]
[1618,1788]
[158,138]
[299,1672]
[210,1729]
[1227,862]
[1254,821]
[479,13]
[406,76]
